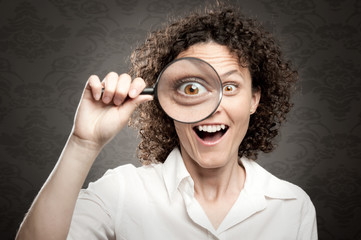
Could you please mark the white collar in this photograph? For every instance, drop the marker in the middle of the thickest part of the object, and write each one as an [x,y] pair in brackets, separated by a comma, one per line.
[258,180]
[174,172]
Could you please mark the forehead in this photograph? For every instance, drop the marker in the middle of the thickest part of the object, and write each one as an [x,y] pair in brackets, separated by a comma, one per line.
[212,53]
[219,56]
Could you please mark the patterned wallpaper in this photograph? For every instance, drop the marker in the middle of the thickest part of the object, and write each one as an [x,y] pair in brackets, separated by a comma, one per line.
[49,48]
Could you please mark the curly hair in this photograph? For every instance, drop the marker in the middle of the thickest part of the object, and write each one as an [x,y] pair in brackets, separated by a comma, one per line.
[255,49]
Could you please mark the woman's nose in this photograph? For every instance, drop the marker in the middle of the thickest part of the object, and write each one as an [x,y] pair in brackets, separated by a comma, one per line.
[219,109]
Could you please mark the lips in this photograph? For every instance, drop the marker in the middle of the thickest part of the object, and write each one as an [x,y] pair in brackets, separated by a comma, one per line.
[210,133]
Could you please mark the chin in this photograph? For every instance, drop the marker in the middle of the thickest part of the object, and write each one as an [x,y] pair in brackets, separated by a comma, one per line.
[211,160]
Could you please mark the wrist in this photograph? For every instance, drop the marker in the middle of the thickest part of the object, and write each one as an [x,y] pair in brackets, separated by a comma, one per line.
[79,152]
[85,145]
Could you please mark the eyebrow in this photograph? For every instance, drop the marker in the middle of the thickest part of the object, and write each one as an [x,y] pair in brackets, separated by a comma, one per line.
[229,73]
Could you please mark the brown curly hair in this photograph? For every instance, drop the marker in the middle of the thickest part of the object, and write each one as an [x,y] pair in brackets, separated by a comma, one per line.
[255,48]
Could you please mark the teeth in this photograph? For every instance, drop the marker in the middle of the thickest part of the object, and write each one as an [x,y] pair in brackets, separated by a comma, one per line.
[211,128]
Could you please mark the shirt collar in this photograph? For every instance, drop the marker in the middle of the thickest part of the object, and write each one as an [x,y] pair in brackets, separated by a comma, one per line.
[258,180]
[174,172]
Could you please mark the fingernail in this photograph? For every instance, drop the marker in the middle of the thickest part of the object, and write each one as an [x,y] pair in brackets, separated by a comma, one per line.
[117,101]
[97,96]
[133,93]
[106,99]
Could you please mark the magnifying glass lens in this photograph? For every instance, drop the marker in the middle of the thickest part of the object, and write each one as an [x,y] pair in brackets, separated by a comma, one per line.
[189,90]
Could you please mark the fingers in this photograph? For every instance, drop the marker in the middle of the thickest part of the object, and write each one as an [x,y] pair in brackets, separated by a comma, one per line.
[96,87]
[121,92]
[136,87]
[110,86]
[116,89]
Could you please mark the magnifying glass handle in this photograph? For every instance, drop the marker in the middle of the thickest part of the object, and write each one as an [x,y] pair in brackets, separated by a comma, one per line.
[146,91]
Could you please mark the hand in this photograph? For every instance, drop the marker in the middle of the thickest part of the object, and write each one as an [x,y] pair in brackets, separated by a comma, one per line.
[99,119]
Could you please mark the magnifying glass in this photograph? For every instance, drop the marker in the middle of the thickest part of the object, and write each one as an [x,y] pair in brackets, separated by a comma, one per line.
[189,90]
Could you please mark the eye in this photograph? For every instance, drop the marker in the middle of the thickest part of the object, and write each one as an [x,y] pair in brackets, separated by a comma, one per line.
[229,88]
[192,88]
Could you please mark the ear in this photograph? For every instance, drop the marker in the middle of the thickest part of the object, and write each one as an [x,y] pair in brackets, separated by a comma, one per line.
[256,96]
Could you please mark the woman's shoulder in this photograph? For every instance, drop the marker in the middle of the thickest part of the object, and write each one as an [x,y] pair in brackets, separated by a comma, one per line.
[122,179]
[130,171]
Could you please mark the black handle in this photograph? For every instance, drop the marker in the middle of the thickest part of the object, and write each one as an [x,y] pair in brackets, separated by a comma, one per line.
[149,91]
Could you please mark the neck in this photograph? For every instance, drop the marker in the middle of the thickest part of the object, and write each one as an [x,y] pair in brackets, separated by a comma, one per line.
[212,184]
[217,183]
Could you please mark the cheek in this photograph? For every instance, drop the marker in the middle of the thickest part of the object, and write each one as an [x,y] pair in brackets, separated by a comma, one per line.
[183,133]
[238,108]
[240,114]
[242,125]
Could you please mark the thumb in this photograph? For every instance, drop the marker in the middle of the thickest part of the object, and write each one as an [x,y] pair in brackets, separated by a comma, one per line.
[131,104]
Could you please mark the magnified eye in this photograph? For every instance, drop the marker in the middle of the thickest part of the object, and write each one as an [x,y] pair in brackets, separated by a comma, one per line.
[189,91]
[192,88]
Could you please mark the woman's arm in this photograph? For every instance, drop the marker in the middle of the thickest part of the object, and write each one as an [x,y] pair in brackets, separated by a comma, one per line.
[97,121]
[50,214]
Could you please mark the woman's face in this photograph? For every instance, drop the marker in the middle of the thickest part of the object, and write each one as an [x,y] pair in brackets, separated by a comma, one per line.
[214,142]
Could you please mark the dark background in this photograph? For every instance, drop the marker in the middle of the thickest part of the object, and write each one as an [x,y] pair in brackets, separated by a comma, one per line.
[49,49]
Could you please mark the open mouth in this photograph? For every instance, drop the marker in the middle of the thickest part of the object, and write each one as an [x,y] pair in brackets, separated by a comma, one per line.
[210,133]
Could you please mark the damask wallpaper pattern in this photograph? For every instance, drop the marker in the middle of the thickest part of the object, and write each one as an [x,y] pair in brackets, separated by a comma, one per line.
[49,48]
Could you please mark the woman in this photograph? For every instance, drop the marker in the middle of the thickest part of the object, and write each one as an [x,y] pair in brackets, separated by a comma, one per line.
[198,180]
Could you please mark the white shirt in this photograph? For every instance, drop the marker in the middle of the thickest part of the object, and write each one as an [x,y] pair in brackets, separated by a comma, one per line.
[157,202]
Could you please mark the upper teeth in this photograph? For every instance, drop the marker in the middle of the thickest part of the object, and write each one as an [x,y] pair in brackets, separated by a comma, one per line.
[211,128]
